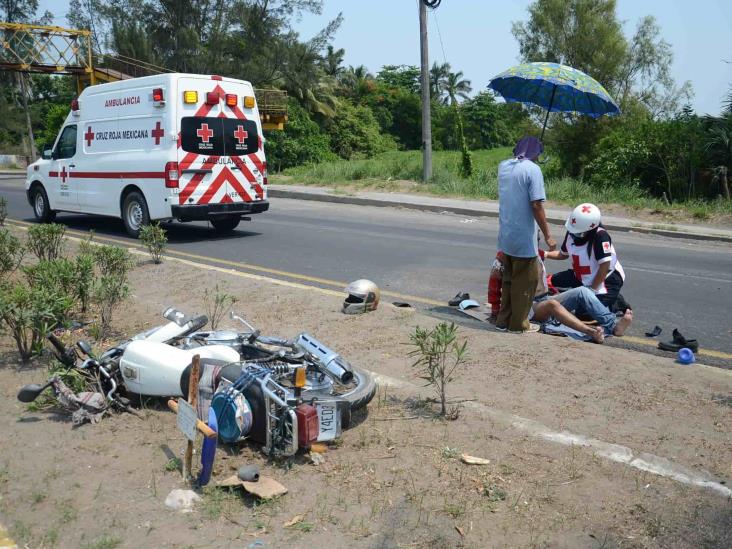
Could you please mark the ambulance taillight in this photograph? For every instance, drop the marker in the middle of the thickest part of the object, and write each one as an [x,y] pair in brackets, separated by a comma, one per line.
[75,107]
[190,96]
[264,174]
[231,99]
[249,101]
[212,98]
[172,175]
[158,97]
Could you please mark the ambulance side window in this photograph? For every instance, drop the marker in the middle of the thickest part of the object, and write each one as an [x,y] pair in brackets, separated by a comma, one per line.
[66,146]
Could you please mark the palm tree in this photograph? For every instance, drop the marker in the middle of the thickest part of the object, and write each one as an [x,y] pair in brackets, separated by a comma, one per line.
[438,76]
[333,61]
[454,87]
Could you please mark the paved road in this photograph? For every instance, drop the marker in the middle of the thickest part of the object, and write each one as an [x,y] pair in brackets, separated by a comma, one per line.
[671,282]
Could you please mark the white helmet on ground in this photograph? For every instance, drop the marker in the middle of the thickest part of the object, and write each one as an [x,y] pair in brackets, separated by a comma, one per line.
[363,296]
[583,218]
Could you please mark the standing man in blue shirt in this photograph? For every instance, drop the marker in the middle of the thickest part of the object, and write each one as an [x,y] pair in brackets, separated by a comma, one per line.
[521,199]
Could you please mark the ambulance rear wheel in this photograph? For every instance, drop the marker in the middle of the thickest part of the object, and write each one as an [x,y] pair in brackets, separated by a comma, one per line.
[41,208]
[225,224]
[135,213]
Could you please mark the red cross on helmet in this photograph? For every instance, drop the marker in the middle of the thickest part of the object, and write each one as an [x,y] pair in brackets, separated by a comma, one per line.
[583,218]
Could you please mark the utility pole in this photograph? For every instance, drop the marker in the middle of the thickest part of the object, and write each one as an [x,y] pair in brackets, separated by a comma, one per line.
[426,118]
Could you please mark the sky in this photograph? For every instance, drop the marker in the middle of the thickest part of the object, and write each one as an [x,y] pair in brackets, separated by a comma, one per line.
[474,36]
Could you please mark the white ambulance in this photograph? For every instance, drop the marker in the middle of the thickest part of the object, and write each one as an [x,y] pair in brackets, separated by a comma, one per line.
[170,146]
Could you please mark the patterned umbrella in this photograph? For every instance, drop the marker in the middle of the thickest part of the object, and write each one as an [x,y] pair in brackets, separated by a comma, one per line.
[556,88]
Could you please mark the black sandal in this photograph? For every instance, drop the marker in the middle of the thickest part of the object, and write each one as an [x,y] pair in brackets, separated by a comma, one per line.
[679,342]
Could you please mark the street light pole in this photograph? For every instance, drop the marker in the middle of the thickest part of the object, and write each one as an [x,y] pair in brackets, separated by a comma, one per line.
[426,118]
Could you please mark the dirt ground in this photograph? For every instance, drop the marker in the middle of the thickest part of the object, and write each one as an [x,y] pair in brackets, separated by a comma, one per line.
[395,479]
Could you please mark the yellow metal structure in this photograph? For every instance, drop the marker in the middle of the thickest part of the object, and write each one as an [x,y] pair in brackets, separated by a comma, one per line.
[46,49]
[56,50]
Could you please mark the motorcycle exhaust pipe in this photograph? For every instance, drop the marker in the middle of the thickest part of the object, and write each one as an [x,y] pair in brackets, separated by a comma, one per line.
[329,361]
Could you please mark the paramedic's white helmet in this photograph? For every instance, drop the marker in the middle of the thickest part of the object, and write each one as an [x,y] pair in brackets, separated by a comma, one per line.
[363,295]
[583,218]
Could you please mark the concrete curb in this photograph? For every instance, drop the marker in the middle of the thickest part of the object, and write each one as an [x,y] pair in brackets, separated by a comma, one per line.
[361,201]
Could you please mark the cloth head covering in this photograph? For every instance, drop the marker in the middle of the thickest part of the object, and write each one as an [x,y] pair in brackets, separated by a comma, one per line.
[528,147]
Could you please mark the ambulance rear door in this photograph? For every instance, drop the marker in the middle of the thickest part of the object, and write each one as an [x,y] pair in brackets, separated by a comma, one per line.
[220,157]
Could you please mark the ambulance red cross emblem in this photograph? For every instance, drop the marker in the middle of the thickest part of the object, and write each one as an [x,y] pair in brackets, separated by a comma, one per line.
[157,133]
[240,134]
[89,136]
[204,133]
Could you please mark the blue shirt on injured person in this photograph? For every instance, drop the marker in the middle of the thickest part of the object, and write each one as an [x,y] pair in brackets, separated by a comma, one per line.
[520,182]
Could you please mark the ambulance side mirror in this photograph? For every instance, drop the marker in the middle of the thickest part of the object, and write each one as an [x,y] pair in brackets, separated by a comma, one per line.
[47,154]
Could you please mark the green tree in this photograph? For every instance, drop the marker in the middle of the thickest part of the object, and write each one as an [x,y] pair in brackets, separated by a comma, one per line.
[587,35]
[301,142]
[406,77]
[333,61]
[355,132]
[438,75]
[454,87]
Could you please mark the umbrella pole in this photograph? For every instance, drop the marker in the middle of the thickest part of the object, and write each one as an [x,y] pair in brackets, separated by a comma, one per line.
[551,102]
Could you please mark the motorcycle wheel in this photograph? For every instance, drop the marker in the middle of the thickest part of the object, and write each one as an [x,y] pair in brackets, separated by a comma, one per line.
[358,392]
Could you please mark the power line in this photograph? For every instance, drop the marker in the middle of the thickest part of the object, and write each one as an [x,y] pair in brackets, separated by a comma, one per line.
[439,34]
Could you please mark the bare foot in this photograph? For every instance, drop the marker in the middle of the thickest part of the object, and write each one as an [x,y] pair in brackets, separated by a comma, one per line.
[624,323]
[597,334]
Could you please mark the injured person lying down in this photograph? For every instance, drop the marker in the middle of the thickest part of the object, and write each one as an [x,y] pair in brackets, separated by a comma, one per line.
[559,313]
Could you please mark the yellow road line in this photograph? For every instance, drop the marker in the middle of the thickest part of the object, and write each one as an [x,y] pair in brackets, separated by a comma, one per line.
[324,281]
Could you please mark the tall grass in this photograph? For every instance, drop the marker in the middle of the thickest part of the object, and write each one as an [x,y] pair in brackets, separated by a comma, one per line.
[385,171]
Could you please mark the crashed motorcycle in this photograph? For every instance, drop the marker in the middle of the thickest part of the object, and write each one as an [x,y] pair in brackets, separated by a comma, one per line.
[284,394]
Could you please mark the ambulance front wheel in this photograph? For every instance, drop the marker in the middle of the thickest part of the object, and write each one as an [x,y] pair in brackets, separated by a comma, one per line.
[41,207]
[225,224]
[135,213]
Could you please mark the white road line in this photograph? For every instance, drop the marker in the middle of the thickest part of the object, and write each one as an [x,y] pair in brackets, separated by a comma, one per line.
[614,452]
[682,275]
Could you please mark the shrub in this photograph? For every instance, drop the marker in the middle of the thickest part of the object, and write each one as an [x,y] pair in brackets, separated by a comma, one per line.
[11,252]
[29,313]
[438,354]
[355,133]
[3,210]
[154,237]
[109,292]
[57,276]
[46,241]
[112,260]
[301,142]
[84,279]
[217,301]
[111,289]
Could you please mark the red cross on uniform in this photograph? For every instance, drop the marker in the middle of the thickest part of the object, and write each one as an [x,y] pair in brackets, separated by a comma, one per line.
[579,270]
[240,134]
[204,133]
[89,136]
[63,174]
[158,133]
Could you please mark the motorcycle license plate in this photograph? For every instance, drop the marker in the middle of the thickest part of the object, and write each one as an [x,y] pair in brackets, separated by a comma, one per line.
[329,421]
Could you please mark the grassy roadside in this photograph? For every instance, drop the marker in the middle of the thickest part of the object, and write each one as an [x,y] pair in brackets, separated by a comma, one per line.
[401,170]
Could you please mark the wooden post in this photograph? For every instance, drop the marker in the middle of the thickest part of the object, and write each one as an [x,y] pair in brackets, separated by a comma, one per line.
[193,401]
